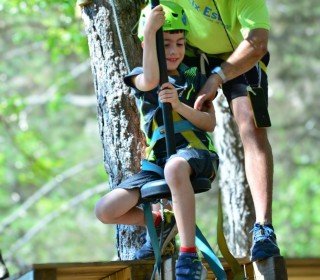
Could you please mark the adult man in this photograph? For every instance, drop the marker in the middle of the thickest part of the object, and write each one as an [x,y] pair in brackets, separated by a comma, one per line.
[234,37]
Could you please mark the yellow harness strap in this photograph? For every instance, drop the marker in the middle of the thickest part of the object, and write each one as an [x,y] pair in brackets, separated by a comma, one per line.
[236,268]
[189,135]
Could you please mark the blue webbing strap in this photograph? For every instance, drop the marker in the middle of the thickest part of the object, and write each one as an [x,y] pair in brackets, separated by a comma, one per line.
[152,233]
[211,258]
[179,126]
[149,166]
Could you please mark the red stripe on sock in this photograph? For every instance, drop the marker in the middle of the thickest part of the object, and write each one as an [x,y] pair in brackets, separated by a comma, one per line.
[188,249]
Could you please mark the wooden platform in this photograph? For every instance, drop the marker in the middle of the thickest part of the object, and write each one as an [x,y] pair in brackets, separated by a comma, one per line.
[297,269]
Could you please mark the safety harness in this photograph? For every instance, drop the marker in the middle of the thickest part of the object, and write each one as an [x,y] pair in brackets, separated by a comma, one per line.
[187,130]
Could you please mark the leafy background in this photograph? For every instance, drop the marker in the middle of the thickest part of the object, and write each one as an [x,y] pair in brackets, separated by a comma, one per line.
[51,165]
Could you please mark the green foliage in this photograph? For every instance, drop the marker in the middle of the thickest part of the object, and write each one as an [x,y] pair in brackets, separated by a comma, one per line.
[51,22]
[49,143]
[297,213]
[296,130]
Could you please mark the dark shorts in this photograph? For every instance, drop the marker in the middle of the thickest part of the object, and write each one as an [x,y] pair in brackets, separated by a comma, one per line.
[238,86]
[201,161]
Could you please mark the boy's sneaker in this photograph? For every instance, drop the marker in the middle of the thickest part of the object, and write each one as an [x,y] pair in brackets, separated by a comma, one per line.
[189,267]
[264,243]
[169,232]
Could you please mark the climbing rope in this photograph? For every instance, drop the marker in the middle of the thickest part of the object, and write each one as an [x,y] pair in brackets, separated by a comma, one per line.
[119,35]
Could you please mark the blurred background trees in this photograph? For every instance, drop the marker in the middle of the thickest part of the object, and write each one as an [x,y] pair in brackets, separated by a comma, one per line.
[51,162]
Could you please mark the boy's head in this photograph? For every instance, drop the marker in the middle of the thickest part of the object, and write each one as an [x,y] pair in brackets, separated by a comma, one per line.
[175,27]
[176,19]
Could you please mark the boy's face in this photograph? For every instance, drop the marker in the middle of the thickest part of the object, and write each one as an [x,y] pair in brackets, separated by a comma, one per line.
[174,45]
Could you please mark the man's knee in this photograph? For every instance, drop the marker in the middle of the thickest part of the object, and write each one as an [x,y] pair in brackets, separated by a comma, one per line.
[245,120]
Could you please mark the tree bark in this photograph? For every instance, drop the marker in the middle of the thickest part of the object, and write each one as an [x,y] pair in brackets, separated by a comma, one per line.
[122,141]
[236,197]
[4,273]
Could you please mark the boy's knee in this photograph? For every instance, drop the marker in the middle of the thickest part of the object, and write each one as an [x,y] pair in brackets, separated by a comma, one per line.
[176,170]
[102,211]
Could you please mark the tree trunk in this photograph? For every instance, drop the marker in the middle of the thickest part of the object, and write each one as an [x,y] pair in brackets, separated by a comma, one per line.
[118,119]
[4,273]
[236,196]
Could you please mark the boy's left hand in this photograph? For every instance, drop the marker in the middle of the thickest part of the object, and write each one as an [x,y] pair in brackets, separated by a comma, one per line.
[168,94]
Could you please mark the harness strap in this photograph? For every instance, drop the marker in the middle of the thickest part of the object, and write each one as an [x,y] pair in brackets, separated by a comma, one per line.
[230,259]
[150,166]
[203,60]
[213,261]
[189,135]
[180,126]
[153,235]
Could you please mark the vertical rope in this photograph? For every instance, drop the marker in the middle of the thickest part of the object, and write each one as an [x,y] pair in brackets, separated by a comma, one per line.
[119,34]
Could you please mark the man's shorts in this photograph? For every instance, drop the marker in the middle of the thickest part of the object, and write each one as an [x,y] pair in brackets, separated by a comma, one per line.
[238,86]
[201,162]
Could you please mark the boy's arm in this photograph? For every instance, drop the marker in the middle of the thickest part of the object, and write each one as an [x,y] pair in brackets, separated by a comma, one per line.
[150,77]
[204,120]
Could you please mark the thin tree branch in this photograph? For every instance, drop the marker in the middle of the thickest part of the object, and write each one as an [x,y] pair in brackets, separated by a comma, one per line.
[48,187]
[49,218]
[44,97]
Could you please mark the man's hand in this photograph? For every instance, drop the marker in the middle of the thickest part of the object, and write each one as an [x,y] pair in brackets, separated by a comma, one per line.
[208,92]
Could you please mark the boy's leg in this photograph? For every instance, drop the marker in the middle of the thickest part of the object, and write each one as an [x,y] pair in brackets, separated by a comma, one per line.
[118,207]
[177,174]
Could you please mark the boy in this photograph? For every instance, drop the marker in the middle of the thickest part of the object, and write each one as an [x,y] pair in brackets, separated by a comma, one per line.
[194,146]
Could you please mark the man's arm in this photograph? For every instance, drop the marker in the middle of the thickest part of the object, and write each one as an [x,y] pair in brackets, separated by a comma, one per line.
[245,56]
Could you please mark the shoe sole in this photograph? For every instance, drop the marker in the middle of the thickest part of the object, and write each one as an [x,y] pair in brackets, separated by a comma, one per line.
[204,273]
[170,236]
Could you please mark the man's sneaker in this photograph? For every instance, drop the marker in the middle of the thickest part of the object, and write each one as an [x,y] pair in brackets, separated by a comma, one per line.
[189,267]
[169,232]
[264,243]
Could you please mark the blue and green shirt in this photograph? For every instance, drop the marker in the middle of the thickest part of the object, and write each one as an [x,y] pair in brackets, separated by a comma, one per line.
[188,84]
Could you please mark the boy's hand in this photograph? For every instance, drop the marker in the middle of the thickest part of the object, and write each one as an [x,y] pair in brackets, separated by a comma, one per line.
[168,94]
[155,19]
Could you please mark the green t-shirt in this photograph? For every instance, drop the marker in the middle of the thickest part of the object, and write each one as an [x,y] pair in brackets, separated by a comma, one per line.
[239,16]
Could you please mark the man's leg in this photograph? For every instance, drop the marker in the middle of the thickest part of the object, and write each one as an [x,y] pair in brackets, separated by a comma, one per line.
[259,172]
[258,159]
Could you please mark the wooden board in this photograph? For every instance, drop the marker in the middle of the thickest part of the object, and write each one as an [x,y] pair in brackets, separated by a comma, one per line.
[297,269]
